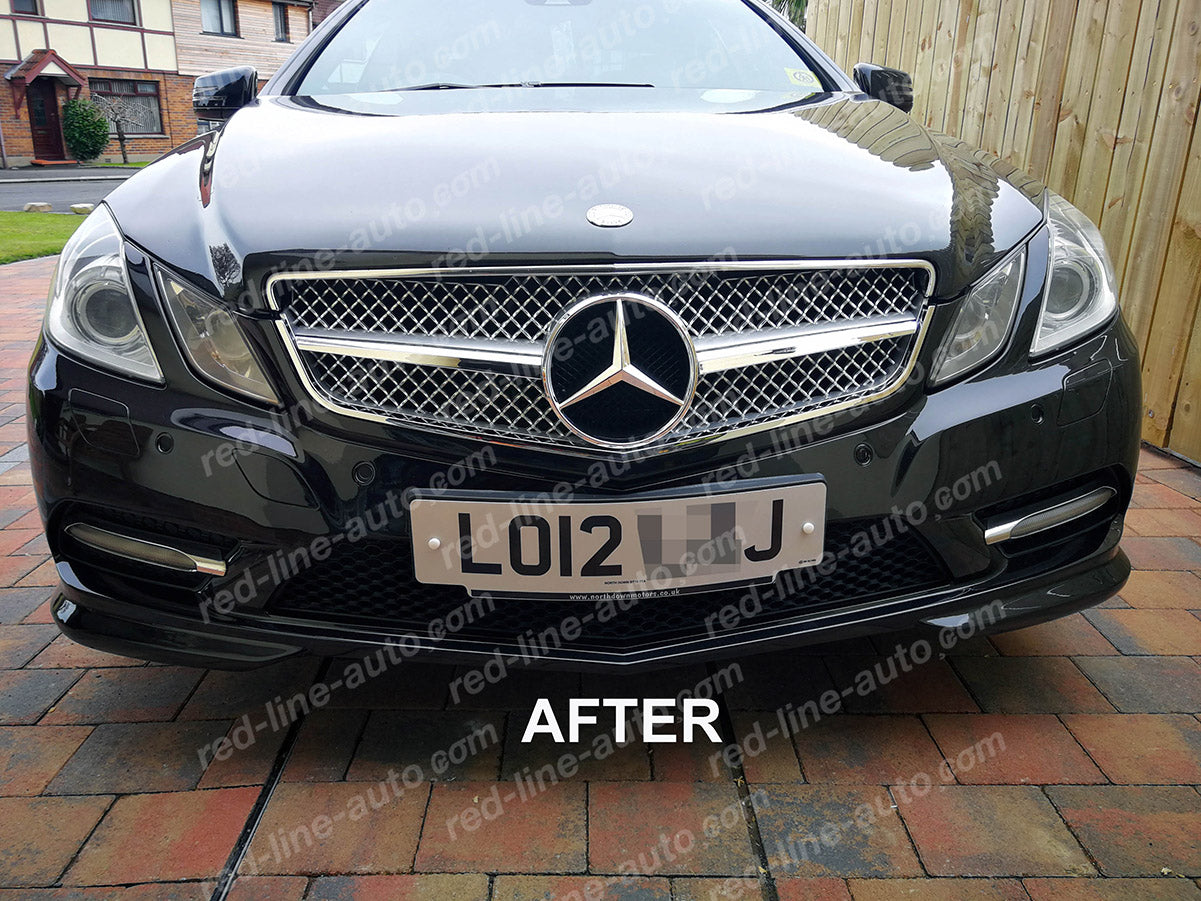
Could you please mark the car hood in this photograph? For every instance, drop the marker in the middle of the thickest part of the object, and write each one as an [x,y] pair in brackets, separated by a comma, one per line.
[417,179]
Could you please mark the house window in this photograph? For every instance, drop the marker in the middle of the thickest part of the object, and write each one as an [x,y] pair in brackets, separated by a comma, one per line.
[218,17]
[134,104]
[27,7]
[123,11]
[280,12]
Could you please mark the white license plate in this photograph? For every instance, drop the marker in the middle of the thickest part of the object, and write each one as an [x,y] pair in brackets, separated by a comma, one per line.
[662,544]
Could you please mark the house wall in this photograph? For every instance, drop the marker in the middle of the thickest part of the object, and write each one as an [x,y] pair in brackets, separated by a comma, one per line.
[175,99]
[1098,99]
[255,44]
[65,28]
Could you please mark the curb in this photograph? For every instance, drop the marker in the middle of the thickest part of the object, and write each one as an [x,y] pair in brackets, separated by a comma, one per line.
[43,181]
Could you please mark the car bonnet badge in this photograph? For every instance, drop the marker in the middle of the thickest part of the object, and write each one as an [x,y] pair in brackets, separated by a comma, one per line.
[610,215]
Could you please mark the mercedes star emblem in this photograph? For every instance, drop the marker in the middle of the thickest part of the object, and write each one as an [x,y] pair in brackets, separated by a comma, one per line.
[620,370]
[610,215]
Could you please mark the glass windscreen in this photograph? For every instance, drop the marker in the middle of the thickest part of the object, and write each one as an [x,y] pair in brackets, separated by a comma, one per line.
[398,45]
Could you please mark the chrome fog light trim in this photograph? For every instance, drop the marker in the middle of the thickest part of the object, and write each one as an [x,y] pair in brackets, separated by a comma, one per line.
[1041,520]
[144,551]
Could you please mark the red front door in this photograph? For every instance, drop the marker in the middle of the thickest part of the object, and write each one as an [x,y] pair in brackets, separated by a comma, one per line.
[43,120]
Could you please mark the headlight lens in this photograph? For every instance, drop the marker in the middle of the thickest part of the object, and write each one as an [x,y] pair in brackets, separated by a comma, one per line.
[214,342]
[983,322]
[91,311]
[1081,289]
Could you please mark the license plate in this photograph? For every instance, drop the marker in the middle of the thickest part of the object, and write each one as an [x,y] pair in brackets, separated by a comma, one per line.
[658,544]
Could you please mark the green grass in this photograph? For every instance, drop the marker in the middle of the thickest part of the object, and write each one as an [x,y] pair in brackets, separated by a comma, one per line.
[137,165]
[24,236]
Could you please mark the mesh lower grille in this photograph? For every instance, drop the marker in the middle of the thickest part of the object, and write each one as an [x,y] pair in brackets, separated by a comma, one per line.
[372,584]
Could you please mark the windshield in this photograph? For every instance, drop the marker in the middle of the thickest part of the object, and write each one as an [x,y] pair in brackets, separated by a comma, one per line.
[396,45]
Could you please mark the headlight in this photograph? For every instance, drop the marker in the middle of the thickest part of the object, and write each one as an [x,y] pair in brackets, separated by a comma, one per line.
[1081,289]
[214,342]
[982,323]
[91,311]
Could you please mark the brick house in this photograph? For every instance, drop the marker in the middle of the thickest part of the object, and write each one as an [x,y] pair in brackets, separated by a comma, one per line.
[147,52]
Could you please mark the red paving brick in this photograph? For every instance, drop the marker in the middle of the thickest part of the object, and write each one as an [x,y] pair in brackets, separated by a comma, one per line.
[420,887]
[986,830]
[268,888]
[125,758]
[1142,749]
[1150,632]
[1135,830]
[1155,495]
[1069,635]
[667,827]
[40,836]
[937,889]
[473,826]
[728,888]
[1008,749]
[130,695]
[616,888]
[163,838]
[794,889]
[833,830]
[1170,888]
[1164,523]
[865,750]
[768,754]
[1163,553]
[1154,590]
[346,827]
[30,756]
[26,695]
[1031,685]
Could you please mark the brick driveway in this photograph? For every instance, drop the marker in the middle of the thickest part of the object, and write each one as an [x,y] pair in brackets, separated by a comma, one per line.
[1026,765]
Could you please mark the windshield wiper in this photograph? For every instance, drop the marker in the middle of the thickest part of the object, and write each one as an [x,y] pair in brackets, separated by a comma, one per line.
[452,86]
[583,84]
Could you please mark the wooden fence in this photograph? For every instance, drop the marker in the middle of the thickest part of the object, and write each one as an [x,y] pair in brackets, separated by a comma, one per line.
[1098,98]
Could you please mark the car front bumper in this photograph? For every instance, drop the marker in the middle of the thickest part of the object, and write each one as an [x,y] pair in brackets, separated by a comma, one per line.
[188,468]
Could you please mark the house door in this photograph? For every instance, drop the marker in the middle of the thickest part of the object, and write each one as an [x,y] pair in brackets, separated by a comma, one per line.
[43,120]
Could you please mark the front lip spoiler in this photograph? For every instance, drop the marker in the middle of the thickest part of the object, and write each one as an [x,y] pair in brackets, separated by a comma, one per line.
[104,623]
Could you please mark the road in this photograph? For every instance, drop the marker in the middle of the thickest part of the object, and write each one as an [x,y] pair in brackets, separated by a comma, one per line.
[59,193]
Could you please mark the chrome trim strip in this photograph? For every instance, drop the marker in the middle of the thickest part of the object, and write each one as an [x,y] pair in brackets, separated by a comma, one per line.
[521,358]
[1041,520]
[715,353]
[735,351]
[605,269]
[141,551]
[589,452]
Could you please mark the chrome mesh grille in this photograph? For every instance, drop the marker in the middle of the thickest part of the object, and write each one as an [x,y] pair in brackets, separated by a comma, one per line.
[740,397]
[513,407]
[479,402]
[523,307]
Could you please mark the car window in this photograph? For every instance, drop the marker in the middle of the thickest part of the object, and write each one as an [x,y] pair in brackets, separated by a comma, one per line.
[392,45]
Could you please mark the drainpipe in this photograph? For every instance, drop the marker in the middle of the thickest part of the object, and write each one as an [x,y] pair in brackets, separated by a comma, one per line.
[3,155]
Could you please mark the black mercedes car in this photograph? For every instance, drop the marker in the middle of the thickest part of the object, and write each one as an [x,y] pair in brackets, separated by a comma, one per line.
[589,332]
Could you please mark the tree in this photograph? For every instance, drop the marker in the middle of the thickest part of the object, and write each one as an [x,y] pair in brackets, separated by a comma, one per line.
[84,129]
[122,112]
[794,9]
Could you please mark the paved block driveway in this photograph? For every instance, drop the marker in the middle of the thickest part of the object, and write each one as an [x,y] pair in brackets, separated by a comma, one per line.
[1062,761]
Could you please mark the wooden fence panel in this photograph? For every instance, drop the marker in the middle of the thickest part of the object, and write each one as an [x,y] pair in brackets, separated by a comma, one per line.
[1099,99]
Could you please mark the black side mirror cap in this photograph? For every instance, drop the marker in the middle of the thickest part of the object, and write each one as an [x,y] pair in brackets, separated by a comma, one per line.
[218,95]
[890,85]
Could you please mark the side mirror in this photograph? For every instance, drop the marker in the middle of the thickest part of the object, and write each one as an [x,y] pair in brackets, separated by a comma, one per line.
[218,95]
[890,85]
